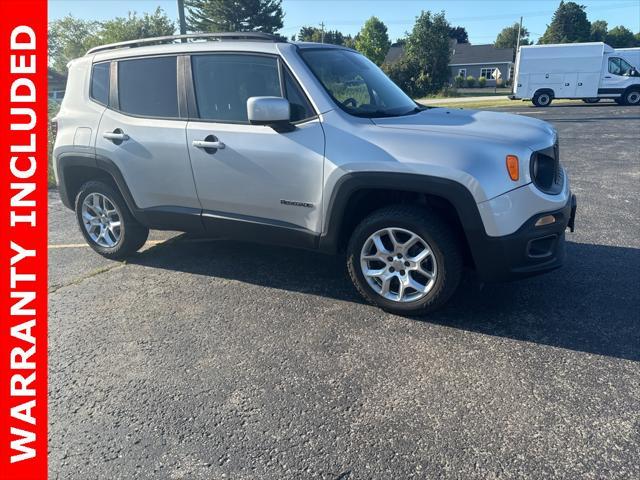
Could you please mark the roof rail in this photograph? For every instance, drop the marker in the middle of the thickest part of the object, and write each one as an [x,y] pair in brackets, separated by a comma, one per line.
[266,37]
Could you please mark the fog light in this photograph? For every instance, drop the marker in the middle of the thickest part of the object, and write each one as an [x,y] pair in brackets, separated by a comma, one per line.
[546,220]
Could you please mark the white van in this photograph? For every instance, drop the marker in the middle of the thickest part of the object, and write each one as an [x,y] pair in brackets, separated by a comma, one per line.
[587,71]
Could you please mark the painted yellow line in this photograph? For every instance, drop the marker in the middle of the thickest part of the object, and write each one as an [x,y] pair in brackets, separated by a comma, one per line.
[84,245]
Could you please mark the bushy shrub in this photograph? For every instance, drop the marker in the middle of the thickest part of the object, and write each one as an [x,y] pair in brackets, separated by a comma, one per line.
[458,81]
[53,111]
[470,81]
[482,82]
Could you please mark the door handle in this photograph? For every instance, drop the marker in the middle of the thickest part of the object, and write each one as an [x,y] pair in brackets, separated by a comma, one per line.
[117,136]
[607,77]
[210,144]
[206,144]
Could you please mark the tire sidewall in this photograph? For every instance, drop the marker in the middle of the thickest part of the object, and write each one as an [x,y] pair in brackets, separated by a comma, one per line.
[356,243]
[537,97]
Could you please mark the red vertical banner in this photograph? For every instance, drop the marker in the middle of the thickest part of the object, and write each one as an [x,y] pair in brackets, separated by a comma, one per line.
[23,240]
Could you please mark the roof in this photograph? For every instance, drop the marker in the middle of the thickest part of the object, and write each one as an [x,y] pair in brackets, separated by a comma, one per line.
[466,54]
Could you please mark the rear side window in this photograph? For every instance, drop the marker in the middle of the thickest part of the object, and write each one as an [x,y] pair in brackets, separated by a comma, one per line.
[100,83]
[148,87]
[301,109]
[224,82]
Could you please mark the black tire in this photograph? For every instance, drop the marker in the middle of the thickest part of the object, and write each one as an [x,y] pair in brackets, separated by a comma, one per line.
[631,97]
[133,235]
[444,244]
[590,100]
[542,99]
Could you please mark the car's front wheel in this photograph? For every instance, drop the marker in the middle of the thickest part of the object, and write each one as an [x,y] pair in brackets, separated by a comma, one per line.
[405,259]
[106,223]
[631,97]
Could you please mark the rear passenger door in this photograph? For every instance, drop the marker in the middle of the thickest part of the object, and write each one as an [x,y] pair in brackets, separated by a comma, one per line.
[260,178]
[143,133]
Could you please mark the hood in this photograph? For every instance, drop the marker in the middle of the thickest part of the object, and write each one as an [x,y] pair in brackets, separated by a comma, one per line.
[495,127]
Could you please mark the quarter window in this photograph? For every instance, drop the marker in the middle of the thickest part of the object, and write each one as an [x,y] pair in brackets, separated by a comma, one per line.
[148,87]
[224,82]
[100,83]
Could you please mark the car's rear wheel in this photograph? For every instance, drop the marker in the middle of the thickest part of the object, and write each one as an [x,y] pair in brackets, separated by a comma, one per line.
[542,99]
[405,259]
[106,223]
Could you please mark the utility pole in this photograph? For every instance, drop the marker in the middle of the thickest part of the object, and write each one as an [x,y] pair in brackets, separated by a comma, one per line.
[181,21]
[515,68]
[322,32]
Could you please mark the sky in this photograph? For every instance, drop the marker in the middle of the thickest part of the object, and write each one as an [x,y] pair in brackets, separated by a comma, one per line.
[483,19]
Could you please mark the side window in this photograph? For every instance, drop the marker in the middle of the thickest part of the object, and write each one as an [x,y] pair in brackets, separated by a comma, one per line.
[614,66]
[100,83]
[224,82]
[148,87]
[300,107]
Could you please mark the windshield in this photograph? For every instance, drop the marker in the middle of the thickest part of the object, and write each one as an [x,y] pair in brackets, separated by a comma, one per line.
[357,85]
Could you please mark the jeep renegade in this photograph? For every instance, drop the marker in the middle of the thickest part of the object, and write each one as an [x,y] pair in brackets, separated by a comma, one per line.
[247,136]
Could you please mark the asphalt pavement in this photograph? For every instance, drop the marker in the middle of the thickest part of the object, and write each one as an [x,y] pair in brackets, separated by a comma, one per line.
[216,359]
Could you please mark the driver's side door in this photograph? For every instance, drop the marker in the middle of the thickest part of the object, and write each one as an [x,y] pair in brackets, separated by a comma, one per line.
[614,79]
[258,177]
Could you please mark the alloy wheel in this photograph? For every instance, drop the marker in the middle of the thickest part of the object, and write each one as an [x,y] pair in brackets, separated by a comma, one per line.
[398,264]
[101,220]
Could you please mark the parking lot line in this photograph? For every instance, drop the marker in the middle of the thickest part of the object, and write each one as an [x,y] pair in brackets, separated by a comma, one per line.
[84,245]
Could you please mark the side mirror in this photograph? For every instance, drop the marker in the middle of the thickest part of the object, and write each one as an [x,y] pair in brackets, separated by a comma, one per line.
[274,112]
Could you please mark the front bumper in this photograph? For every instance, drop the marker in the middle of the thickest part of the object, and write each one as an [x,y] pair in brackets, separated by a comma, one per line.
[529,251]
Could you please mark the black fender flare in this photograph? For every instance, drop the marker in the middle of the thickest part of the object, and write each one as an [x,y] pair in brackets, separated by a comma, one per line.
[455,193]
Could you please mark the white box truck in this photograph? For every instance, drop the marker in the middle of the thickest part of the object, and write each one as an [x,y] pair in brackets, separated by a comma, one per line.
[587,71]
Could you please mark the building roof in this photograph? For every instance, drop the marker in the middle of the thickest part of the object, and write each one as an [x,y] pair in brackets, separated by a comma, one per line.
[466,54]
[462,54]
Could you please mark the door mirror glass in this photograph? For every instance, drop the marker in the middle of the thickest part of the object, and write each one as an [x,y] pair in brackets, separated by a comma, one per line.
[272,111]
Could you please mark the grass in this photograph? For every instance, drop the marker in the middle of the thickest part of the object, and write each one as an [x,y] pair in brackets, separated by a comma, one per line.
[488,104]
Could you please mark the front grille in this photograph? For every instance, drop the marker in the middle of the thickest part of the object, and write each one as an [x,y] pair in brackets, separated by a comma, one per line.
[546,172]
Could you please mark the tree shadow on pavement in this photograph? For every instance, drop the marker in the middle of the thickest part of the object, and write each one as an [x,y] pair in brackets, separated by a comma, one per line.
[591,304]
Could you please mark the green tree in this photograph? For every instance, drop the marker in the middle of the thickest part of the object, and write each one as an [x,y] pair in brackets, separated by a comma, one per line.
[508,37]
[620,37]
[333,37]
[637,37]
[568,25]
[404,73]
[459,33]
[428,47]
[70,38]
[234,15]
[373,40]
[133,27]
[599,30]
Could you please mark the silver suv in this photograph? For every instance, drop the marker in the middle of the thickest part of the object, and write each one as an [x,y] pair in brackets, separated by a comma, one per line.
[247,136]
